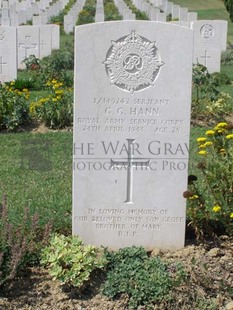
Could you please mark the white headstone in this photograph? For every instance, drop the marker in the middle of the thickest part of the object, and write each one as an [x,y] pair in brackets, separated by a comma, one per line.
[192,16]
[55,36]
[37,20]
[162,17]
[28,43]
[175,11]
[68,23]
[224,27]
[14,19]
[208,44]
[183,14]
[8,57]
[45,41]
[131,133]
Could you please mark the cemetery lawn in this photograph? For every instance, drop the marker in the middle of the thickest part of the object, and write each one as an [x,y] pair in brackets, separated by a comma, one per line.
[36,173]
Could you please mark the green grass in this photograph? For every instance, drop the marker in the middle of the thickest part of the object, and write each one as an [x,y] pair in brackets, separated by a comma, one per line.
[36,172]
[200,4]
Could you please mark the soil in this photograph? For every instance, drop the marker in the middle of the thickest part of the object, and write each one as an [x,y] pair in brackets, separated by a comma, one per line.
[209,284]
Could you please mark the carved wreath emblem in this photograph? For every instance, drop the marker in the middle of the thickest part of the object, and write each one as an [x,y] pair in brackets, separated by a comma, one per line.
[132,63]
[207,31]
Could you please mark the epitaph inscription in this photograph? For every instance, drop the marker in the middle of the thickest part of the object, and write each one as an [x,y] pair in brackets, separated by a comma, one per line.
[133,63]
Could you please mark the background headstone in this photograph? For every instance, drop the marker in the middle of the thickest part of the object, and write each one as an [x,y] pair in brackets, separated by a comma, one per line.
[28,43]
[8,57]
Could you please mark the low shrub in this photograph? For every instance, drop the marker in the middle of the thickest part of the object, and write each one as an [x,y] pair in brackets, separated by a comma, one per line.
[70,261]
[111,11]
[210,192]
[20,244]
[14,107]
[146,280]
[58,65]
[208,101]
[87,15]
[56,109]
[221,78]
[227,55]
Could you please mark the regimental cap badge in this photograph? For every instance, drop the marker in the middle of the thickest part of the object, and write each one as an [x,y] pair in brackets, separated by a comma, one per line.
[133,63]
[207,31]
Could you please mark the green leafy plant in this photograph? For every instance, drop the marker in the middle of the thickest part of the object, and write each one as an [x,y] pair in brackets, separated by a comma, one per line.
[70,261]
[20,243]
[14,107]
[227,55]
[56,109]
[208,102]
[221,78]
[111,11]
[144,279]
[87,15]
[210,194]
[204,85]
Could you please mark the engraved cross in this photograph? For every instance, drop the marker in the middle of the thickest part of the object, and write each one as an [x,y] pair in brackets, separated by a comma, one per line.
[205,57]
[1,64]
[27,45]
[130,164]
[42,44]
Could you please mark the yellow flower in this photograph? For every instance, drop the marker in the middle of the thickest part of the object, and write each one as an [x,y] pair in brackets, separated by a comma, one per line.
[201,139]
[202,152]
[231,215]
[222,151]
[209,132]
[25,90]
[222,125]
[12,83]
[54,99]
[208,143]
[54,81]
[193,197]
[230,136]
[58,97]
[202,146]
[59,92]
[216,208]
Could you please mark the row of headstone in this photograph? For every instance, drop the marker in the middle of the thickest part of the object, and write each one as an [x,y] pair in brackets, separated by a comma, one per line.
[15,13]
[18,43]
[210,37]
[71,17]
[124,11]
